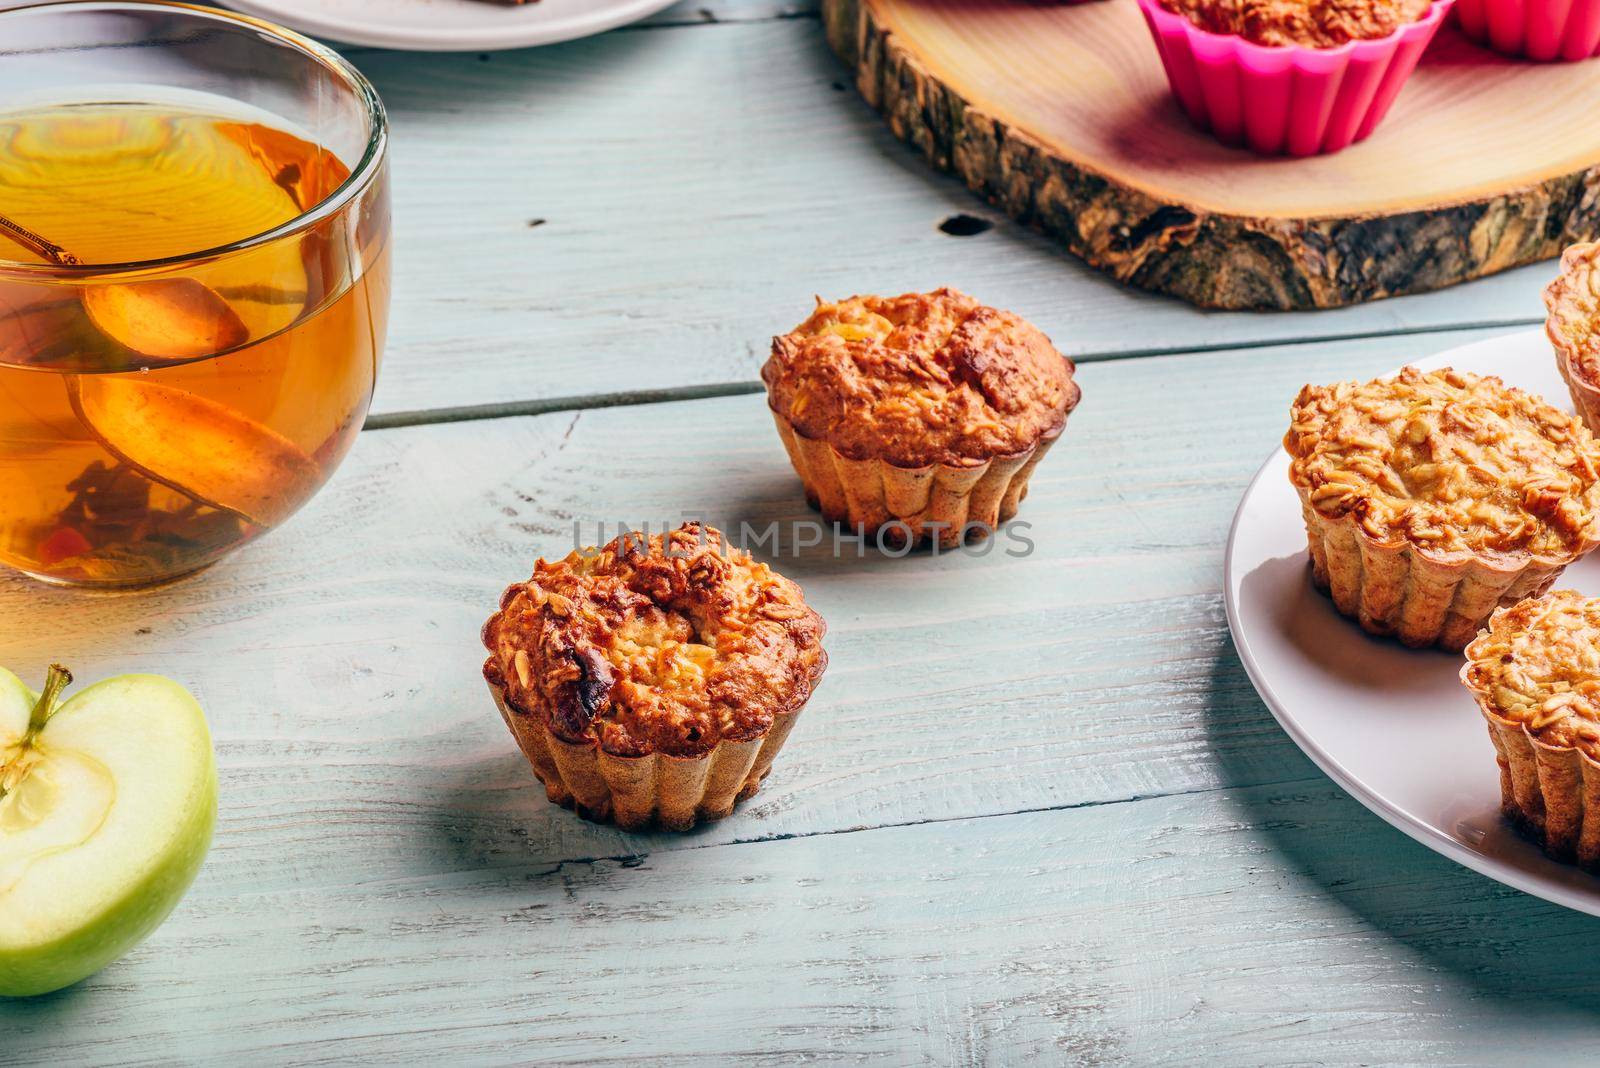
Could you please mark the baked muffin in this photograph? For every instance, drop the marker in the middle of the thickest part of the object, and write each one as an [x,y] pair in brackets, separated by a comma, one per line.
[1572,321]
[919,416]
[1535,673]
[1307,23]
[1431,498]
[653,680]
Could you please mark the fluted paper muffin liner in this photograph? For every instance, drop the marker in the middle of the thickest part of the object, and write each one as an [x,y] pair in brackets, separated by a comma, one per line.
[658,789]
[1585,395]
[1542,30]
[1393,590]
[1552,793]
[1290,99]
[954,502]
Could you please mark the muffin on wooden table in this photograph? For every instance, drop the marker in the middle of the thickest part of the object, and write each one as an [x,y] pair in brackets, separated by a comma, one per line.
[1535,673]
[1295,77]
[921,415]
[1572,322]
[653,680]
[1432,498]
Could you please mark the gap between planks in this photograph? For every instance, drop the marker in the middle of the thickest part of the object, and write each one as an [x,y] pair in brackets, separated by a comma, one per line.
[709,391]
[683,844]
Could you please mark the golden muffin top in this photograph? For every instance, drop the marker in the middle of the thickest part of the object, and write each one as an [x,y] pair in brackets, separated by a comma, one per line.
[660,644]
[919,379]
[1538,664]
[1452,462]
[1573,304]
[1309,23]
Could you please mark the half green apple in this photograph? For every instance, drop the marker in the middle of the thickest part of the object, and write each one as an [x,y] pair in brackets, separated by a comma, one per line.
[107,802]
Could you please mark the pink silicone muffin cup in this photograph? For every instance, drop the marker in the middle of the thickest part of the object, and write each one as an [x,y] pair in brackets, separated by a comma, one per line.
[1287,100]
[1534,29]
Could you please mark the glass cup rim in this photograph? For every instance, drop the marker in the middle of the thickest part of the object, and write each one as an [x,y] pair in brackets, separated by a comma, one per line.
[361,175]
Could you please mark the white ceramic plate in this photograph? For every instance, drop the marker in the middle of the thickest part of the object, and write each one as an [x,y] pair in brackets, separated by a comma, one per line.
[450,25]
[1391,725]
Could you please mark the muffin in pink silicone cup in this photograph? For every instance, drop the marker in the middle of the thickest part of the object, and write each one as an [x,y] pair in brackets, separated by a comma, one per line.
[1290,77]
[1533,29]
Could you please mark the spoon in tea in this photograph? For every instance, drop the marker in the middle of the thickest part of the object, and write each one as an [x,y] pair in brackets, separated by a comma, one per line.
[164,318]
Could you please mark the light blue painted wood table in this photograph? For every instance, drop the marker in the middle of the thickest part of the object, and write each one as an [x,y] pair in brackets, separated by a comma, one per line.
[1035,814]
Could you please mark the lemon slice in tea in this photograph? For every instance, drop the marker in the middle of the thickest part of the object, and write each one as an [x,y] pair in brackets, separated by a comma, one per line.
[196,446]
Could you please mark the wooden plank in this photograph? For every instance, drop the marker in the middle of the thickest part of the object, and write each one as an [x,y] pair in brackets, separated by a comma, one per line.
[387,882]
[339,658]
[716,12]
[695,187]
[1279,923]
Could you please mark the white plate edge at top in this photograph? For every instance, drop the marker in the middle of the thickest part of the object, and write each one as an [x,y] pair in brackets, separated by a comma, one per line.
[523,27]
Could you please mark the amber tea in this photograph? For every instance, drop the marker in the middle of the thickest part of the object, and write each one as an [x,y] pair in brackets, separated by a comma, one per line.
[153,418]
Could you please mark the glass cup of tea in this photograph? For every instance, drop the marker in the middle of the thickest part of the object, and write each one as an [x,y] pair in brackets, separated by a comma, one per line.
[194,283]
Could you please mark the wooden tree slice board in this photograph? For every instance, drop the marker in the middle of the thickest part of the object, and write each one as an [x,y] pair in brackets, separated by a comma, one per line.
[1061,115]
